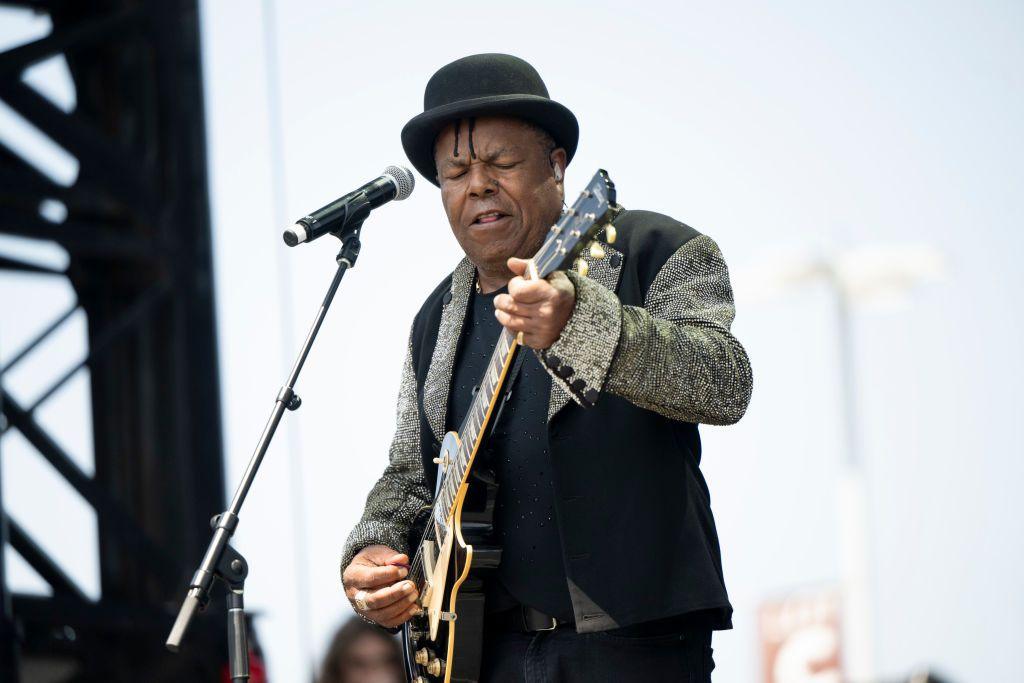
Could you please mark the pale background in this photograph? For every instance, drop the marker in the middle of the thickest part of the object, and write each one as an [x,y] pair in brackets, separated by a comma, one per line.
[808,127]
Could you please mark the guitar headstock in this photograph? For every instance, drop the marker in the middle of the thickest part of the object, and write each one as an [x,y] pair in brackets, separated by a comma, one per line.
[592,212]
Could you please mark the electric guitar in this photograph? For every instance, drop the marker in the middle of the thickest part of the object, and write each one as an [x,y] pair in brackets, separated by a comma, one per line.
[443,643]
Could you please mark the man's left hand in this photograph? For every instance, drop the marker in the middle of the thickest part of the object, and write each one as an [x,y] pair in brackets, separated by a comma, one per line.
[537,308]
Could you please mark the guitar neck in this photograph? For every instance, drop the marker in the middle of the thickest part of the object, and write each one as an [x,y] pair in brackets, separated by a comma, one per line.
[472,430]
[563,243]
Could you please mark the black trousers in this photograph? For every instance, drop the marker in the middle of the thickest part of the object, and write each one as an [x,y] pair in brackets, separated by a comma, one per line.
[618,656]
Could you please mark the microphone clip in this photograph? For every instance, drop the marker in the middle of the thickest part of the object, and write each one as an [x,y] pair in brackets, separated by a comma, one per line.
[350,246]
[356,212]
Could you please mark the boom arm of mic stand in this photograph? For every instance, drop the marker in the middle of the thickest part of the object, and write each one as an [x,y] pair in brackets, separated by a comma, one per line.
[212,566]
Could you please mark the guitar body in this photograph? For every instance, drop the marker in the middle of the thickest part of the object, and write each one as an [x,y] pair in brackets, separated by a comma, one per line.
[455,548]
[457,643]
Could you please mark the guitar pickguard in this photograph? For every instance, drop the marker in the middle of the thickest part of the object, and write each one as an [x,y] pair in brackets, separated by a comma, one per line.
[444,643]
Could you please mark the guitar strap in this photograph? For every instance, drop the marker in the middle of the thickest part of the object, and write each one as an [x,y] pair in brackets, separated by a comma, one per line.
[510,382]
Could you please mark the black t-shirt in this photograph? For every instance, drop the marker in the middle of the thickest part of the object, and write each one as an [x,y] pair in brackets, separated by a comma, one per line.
[532,570]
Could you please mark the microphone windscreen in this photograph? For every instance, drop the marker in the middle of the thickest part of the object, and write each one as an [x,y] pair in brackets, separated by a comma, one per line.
[404,181]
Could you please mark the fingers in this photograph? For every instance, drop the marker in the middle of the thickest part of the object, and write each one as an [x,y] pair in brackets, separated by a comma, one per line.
[390,606]
[504,302]
[382,598]
[518,323]
[393,622]
[535,335]
[536,308]
[526,317]
[362,576]
[380,555]
[398,558]
[517,265]
[396,613]
[378,570]
[530,291]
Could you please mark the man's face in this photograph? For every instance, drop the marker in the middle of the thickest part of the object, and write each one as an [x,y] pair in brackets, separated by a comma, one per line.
[500,192]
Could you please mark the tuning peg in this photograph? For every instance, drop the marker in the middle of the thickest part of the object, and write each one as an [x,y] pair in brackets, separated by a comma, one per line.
[609,234]
[435,667]
[596,251]
[581,267]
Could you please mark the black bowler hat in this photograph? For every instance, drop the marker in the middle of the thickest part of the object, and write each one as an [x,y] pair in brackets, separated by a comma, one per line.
[481,85]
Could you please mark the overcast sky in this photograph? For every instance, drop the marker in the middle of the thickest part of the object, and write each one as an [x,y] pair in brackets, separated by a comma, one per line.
[799,128]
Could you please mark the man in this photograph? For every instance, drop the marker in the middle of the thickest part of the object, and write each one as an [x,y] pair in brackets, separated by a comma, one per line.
[602,511]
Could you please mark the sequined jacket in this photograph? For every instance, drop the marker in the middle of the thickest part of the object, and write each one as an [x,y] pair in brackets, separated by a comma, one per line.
[646,355]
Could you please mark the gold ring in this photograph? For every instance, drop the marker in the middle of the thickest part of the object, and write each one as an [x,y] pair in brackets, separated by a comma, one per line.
[360,601]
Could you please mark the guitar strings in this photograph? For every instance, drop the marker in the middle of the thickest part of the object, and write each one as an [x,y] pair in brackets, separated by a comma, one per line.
[446,488]
[416,565]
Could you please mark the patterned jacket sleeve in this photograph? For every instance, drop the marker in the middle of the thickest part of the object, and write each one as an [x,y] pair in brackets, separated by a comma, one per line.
[402,490]
[675,355]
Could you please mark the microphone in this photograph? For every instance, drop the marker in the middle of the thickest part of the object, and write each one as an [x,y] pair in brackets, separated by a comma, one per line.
[349,212]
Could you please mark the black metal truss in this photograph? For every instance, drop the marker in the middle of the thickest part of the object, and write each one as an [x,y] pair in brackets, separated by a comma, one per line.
[137,234]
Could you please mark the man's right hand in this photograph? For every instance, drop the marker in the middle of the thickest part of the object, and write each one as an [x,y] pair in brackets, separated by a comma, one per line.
[378,570]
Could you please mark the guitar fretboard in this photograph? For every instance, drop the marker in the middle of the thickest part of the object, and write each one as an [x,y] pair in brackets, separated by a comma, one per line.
[473,425]
[561,246]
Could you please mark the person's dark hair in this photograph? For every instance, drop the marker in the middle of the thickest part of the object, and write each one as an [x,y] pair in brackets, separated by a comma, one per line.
[547,142]
[544,138]
[332,668]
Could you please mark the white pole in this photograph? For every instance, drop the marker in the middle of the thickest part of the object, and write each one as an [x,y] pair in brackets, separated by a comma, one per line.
[296,469]
[864,275]
[854,551]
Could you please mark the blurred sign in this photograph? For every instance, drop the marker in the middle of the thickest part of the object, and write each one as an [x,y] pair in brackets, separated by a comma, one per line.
[800,636]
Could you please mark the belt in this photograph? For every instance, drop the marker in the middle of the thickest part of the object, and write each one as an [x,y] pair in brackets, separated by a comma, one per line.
[523,619]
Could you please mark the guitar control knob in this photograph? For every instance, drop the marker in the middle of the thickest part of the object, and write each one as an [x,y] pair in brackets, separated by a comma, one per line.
[422,656]
[609,234]
[596,250]
[581,267]
[434,668]
[421,679]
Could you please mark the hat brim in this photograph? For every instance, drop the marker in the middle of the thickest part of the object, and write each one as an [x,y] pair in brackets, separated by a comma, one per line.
[419,134]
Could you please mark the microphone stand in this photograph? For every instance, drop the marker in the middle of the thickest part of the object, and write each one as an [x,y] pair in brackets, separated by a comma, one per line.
[221,560]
